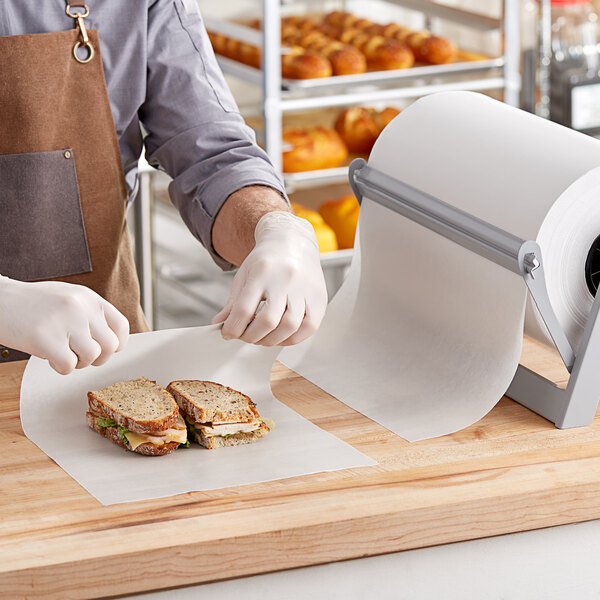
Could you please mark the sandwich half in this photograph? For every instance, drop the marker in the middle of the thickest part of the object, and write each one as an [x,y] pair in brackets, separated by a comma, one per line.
[217,415]
[138,415]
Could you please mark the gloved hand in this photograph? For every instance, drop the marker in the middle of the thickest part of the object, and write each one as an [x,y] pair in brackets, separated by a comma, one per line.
[284,270]
[69,325]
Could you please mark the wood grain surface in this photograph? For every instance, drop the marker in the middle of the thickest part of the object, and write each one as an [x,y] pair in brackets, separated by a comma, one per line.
[512,471]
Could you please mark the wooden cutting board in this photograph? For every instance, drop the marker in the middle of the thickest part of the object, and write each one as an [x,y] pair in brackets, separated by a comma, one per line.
[512,471]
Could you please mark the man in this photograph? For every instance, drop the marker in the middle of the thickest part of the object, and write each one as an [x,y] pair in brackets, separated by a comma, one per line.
[68,159]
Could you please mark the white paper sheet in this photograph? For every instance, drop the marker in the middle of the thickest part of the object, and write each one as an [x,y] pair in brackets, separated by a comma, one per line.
[425,336]
[53,411]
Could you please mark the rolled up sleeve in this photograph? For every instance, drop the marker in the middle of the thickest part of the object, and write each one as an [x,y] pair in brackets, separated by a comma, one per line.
[194,130]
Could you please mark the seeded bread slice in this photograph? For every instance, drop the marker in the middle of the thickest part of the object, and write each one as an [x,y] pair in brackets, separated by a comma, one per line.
[139,405]
[236,439]
[112,433]
[208,402]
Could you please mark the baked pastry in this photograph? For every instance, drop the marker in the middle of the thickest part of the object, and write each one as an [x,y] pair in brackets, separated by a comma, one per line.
[425,46]
[342,20]
[378,53]
[381,53]
[298,22]
[311,149]
[235,49]
[360,127]
[297,63]
[345,59]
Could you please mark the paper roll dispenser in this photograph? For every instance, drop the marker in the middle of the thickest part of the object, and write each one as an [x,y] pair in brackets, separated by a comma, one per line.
[574,406]
[592,267]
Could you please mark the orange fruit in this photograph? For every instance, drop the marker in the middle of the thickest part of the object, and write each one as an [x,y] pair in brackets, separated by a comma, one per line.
[326,237]
[342,216]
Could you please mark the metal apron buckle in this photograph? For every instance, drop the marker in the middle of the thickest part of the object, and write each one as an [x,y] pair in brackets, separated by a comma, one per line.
[84,41]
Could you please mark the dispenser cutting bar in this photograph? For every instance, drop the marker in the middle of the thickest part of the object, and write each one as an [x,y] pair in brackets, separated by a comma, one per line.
[523,257]
[468,231]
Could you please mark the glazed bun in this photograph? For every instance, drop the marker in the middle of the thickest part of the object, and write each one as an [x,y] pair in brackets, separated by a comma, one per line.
[311,149]
[360,127]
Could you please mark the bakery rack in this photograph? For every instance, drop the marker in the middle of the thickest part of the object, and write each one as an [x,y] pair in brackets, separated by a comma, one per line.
[282,96]
[285,96]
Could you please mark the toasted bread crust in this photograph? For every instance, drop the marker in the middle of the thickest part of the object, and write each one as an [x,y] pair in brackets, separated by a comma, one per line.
[202,415]
[151,426]
[237,439]
[113,435]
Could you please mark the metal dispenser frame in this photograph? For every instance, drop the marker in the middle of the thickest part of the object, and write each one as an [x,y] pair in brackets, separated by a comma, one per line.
[574,406]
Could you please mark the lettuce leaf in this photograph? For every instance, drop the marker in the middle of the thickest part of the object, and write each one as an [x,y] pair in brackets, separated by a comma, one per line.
[104,422]
[122,432]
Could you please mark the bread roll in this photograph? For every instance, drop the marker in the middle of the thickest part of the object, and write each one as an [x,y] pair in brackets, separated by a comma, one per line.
[299,23]
[311,149]
[360,127]
[356,49]
[432,48]
[425,46]
[343,20]
[297,63]
[345,59]
[381,53]
[383,117]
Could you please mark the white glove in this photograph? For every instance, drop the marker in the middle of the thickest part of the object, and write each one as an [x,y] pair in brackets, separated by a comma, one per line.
[69,325]
[284,270]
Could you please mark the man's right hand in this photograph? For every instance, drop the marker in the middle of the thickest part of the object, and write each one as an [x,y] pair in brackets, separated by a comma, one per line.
[69,325]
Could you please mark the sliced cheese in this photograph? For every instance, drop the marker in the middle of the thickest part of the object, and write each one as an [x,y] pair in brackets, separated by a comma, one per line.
[175,434]
[170,435]
[137,439]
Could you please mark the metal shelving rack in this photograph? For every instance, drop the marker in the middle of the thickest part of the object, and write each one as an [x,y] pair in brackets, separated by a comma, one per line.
[282,96]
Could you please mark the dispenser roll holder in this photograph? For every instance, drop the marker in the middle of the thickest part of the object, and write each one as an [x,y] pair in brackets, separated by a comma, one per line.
[574,406]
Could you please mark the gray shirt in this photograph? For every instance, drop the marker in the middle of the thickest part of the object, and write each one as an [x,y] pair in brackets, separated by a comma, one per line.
[161,72]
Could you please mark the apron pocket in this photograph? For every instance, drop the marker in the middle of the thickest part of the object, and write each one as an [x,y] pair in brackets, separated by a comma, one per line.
[42,235]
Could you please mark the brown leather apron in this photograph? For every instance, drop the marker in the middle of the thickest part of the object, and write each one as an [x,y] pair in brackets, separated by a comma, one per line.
[63,195]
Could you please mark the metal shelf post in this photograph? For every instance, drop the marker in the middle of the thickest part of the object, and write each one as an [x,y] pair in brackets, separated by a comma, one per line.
[271,63]
[512,79]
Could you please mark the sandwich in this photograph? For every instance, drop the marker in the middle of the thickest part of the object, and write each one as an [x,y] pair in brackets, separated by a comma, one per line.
[216,415]
[138,415]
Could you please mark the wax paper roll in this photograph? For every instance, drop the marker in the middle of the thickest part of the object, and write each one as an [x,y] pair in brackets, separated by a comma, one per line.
[425,336]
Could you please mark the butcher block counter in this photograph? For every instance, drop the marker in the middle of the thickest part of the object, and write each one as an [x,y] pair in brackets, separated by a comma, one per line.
[512,471]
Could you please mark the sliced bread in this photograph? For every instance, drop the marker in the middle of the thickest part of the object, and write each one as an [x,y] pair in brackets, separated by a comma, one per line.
[113,434]
[209,402]
[139,405]
[236,439]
